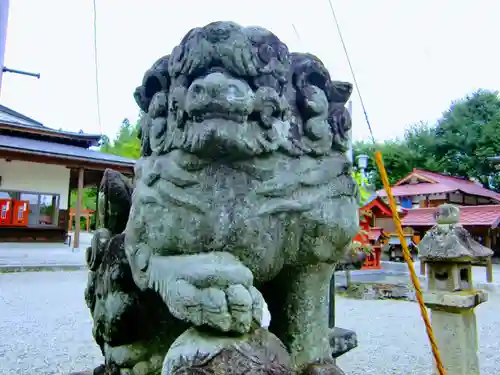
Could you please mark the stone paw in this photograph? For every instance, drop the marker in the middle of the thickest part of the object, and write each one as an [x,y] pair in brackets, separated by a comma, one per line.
[231,308]
[213,290]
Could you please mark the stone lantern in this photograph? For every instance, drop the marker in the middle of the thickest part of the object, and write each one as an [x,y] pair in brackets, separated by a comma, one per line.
[449,251]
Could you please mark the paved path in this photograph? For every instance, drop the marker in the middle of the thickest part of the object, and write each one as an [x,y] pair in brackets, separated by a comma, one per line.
[43,254]
[45,329]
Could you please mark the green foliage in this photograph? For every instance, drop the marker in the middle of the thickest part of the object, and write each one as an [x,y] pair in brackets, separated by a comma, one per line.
[363,188]
[459,143]
[126,143]
[89,200]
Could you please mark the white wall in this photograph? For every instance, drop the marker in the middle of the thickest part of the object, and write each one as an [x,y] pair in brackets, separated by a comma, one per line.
[36,177]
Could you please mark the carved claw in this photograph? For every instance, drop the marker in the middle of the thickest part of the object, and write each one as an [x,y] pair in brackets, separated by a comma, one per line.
[212,289]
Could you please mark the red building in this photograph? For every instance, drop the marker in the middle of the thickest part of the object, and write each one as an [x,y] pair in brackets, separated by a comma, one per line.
[370,234]
[419,193]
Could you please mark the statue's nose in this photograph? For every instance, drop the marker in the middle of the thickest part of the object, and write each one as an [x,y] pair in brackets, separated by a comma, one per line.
[217,86]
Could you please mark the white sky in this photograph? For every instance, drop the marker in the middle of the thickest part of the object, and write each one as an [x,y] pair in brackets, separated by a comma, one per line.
[411,58]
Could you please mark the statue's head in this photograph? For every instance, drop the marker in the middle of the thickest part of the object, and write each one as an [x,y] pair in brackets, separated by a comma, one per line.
[228,91]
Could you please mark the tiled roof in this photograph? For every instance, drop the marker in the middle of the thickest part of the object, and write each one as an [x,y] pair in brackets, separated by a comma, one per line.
[70,152]
[13,118]
[441,184]
[488,215]
[375,233]
[378,205]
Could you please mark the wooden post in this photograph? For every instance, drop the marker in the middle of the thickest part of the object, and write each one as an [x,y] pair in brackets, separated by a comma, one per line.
[422,268]
[348,281]
[489,270]
[489,264]
[78,209]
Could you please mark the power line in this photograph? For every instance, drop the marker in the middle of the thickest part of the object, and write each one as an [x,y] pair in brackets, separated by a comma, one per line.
[352,71]
[96,66]
[296,33]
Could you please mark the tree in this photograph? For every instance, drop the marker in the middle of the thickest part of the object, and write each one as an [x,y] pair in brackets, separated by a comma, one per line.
[398,160]
[126,143]
[467,135]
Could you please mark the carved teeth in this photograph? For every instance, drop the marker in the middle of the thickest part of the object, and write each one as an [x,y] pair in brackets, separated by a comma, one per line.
[236,117]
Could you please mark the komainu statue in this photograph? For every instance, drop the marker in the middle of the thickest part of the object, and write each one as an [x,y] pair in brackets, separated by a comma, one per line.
[219,259]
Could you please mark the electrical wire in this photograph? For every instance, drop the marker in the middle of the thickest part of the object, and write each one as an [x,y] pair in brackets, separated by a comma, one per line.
[352,71]
[296,33]
[395,216]
[96,67]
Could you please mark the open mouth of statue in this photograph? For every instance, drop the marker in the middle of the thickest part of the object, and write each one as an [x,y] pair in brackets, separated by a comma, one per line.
[201,116]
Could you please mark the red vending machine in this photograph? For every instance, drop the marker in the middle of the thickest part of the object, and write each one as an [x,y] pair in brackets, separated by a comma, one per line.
[20,211]
[5,211]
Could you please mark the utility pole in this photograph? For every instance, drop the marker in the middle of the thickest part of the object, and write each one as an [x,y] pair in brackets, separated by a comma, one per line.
[4,20]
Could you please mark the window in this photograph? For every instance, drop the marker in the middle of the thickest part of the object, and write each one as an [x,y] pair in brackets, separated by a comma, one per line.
[43,207]
[48,209]
[406,202]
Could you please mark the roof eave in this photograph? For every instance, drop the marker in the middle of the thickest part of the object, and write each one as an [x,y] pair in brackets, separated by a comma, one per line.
[119,163]
[396,194]
[93,139]
[417,173]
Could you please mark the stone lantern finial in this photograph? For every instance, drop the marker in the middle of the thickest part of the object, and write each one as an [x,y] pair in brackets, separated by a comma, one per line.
[447,214]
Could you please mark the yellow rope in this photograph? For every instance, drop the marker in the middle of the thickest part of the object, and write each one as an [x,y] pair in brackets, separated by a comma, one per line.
[411,268]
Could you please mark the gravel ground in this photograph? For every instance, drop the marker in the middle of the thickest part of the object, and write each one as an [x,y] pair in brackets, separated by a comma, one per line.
[45,328]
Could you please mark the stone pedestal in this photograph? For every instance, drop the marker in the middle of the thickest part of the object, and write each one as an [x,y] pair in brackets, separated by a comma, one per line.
[456,336]
[455,329]
[255,353]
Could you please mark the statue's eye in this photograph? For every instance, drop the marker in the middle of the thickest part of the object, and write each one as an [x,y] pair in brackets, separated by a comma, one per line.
[282,52]
[266,53]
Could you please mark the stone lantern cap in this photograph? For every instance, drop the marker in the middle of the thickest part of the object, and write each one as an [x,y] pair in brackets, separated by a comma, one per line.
[450,241]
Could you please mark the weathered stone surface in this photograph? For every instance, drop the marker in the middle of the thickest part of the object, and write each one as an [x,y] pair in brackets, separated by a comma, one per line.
[243,195]
[342,340]
[454,301]
[114,200]
[449,240]
[259,352]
